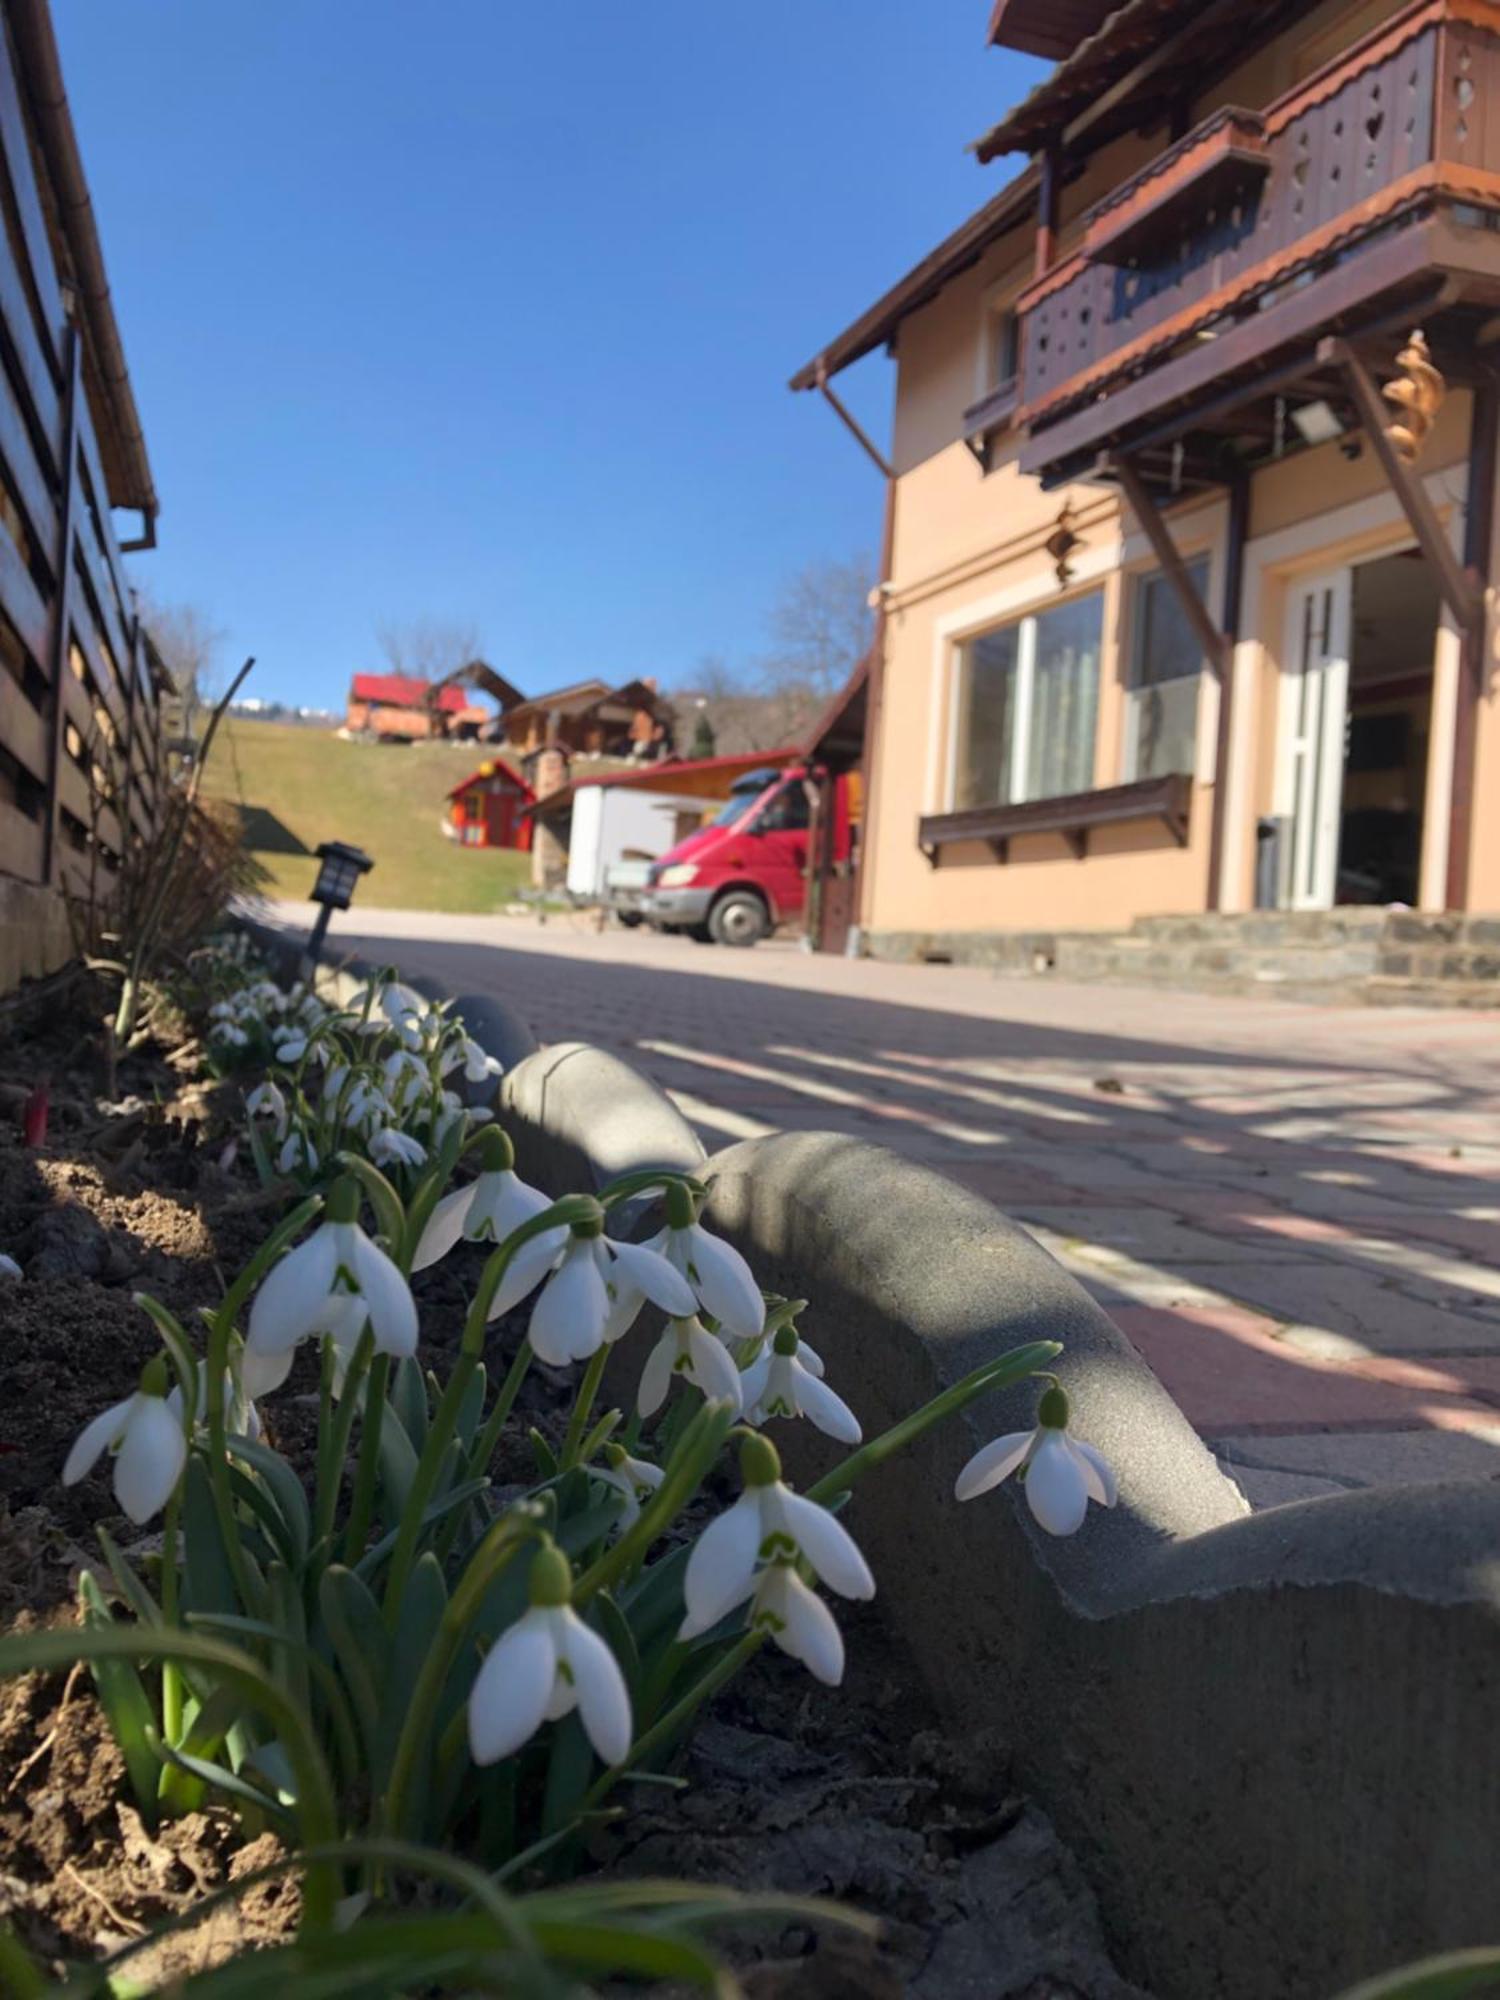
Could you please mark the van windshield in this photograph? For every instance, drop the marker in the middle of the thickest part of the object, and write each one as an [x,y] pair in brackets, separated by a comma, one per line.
[736,806]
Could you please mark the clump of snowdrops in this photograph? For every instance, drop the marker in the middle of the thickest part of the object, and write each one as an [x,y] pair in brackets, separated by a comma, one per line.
[377,1076]
[393,1658]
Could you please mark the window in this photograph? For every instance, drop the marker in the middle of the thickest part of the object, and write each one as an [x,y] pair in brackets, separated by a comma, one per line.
[788,812]
[1028,697]
[1166,661]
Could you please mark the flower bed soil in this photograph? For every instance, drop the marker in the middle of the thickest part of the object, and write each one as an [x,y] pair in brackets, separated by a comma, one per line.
[854,1793]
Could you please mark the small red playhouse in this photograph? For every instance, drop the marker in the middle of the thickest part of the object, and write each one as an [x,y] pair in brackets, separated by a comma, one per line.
[486,809]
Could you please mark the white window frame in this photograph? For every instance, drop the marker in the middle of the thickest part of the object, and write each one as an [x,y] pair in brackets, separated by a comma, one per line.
[1135,582]
[996,304]
[1025,622]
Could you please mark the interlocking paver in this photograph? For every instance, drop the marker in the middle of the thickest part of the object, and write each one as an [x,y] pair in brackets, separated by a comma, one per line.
[1294,1212]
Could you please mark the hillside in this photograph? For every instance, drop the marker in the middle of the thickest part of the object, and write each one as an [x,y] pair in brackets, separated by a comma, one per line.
[296,786]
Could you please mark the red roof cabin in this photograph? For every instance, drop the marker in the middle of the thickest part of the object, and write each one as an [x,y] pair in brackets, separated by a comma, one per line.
[404,709]
[489,809]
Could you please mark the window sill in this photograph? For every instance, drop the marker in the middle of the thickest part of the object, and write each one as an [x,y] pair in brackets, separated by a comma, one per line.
[1075,816]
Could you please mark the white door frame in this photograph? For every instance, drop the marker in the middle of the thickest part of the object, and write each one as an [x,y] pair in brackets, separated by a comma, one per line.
[1311,725]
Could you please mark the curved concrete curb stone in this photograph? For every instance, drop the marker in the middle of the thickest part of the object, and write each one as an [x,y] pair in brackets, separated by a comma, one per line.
[579,1116]
[1218,1709]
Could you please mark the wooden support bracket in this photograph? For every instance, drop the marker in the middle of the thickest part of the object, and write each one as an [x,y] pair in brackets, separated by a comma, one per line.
[1213,639]
[1460,586]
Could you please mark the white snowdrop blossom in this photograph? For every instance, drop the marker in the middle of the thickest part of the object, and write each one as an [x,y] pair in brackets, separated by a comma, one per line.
[688,1349]
[486,1210]
[543,1667]
[752,1550]
[147,1439]
[230,1034]
[292,1049]
[1060,1473]
[779,1384]
[298,1154]
[595,1292]
[723,1283]
[266,1101]
[406,1011]
[9,1268]
[634,1479]
[331,1284]
[390,1147]
[477,1063]
[241,1418]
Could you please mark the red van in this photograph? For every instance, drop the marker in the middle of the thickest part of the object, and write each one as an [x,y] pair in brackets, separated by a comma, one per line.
[746,871]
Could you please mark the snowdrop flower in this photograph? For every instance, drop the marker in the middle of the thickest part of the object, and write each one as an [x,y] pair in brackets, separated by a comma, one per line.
[388,1146]
[632,1478]
[486,1210]
[543,1667]
[266,1101]
[241,1418]
[780,1385]
[1061,1474]
[406,1011]
[330,1284]
[9,1268]
[477,1064]
[688,1349]
[298,1155]
[752,1552]
[596,1291]
[232,1037]
[405,1077]
[722,1281]
[292,1049]
[148,1442]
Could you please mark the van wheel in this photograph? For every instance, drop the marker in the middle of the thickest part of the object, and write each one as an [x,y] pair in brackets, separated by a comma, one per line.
[740,919]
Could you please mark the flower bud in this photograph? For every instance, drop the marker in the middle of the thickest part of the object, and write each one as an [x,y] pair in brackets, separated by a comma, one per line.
[760,1463]
[551,1576]
[1052,1411]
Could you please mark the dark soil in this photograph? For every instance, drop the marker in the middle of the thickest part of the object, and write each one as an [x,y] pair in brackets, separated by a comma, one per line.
[854,1793]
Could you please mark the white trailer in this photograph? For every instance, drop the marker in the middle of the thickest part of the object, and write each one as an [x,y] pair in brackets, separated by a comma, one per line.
[613,823]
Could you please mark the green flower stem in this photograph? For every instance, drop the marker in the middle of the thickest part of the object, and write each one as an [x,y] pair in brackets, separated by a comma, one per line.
[414,1745]
[215,1372]
[510,1388]
[171,1680]
[583,1407]
[998,1374]
[336,1428]
[661,1734]
[686,1470]
[316,1808]
[625,1186]
[571,1209]
[362,1509]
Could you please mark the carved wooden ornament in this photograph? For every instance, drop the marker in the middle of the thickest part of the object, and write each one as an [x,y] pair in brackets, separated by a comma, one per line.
[1417,393]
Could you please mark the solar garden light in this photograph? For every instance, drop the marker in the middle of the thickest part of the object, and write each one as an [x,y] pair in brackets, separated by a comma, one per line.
[340,867]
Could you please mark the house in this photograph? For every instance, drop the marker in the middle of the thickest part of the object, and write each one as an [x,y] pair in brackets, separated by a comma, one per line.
[1190,491]
[83,772]
[592,719]
[405,709]
[487,809]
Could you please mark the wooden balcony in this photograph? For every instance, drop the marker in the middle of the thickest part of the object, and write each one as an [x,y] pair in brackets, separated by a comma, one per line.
[1378,174]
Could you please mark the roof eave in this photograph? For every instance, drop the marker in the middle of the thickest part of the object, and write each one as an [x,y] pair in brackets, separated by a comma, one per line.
[874,327]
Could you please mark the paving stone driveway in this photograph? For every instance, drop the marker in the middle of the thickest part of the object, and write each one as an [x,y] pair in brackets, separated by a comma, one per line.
[1294,1213]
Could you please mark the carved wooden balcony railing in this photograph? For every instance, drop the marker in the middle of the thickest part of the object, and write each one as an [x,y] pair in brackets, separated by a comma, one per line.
[1249,204]
[1074,816]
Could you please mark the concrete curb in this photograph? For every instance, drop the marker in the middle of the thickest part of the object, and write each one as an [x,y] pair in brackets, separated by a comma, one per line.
[579,1116]
[1216,1707]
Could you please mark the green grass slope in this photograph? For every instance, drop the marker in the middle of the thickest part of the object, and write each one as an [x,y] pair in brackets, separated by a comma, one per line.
[297,786]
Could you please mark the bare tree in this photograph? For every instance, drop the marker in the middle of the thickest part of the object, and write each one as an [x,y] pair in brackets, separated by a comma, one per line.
[820,628]
[427,649]
[189,642]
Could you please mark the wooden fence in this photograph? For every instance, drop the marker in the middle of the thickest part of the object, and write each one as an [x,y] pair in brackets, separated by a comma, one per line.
[81,759]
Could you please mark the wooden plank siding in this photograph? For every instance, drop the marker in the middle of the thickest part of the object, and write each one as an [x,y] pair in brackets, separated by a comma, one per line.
[80,716]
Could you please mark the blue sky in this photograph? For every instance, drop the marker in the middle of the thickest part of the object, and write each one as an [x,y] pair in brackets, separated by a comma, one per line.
[484,311]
